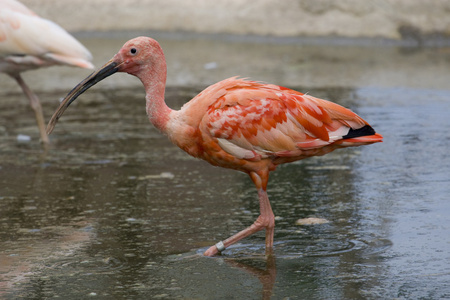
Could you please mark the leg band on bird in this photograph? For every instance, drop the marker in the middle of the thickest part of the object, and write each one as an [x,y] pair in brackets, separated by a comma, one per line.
[220,246]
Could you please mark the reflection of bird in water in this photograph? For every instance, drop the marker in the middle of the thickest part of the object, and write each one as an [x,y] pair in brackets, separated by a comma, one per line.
[29,42]
[266,276]
[238,124]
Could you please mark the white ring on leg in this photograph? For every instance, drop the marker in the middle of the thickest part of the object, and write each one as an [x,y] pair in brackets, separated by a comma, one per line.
[220,246]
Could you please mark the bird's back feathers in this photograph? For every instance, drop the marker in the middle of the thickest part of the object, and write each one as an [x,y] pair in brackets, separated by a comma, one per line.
[252,121]
[27,39]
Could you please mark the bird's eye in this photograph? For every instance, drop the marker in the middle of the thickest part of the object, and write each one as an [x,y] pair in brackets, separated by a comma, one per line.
[133,51]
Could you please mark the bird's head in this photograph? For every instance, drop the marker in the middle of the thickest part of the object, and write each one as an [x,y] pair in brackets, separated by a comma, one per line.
[141,57]
[138,54]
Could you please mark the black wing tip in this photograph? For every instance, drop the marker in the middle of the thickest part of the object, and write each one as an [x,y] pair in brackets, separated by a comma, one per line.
[363,131]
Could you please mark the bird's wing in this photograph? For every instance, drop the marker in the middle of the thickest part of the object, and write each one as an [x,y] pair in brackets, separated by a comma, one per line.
[16,6]
[255,120]
[23,33]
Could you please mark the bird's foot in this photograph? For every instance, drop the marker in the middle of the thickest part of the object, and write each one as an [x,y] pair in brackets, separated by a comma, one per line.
[211,251]
[214,250]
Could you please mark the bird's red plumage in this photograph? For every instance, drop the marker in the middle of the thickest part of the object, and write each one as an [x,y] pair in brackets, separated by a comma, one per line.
[236,123]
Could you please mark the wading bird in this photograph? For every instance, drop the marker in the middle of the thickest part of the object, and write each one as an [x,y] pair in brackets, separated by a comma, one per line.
[238,124]
[29,42]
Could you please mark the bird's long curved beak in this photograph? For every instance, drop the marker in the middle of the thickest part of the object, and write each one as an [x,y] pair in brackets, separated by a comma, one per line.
[108,69]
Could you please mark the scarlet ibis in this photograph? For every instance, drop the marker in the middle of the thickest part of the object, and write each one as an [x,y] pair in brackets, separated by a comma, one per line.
[29,42]
[236,123]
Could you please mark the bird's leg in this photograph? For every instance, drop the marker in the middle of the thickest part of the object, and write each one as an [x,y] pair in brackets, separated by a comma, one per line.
[36,106]
[266,220]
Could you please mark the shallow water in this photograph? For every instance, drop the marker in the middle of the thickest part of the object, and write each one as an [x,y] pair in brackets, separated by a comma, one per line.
[113,210]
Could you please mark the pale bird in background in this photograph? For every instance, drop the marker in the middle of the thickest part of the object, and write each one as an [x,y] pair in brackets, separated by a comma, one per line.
[238,124]
[28,42]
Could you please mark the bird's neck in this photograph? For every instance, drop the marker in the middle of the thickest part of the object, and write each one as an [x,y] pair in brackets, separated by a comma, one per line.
[157,110]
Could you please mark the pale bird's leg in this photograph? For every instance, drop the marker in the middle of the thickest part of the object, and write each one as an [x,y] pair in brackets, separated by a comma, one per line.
[266,220]
[36,106]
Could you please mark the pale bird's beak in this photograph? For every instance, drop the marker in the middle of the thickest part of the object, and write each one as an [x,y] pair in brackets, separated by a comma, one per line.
[108,69]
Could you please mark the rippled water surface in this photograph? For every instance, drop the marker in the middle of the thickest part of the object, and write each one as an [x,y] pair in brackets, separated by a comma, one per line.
[114,211]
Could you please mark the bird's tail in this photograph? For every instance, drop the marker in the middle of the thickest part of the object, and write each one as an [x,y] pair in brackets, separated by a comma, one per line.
[361,136]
